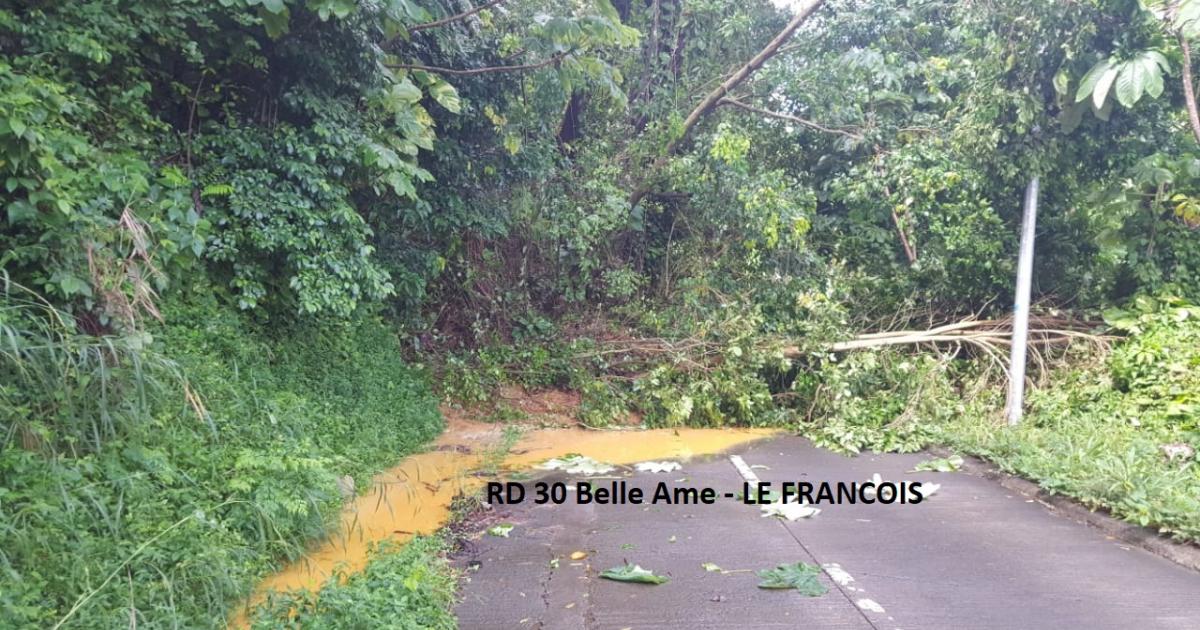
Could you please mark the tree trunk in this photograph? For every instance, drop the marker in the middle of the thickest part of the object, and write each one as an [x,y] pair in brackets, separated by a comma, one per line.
[1189,91]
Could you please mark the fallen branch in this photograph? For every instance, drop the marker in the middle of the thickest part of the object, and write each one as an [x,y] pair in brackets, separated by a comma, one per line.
[989,335]
[629,358]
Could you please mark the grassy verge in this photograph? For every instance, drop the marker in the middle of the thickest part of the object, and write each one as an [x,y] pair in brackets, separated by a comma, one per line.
[1100,460]
[142,501]
[410,588]
[1119,431]
[1086,437]
[406,587]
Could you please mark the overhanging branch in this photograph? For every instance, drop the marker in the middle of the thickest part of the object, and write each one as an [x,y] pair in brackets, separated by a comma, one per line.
[453,18]
[710,101]
[790,118]
[473,71]
[706,105]
[416,28]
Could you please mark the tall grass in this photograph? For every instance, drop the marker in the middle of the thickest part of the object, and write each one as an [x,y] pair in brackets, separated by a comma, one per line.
[63,389]
[133,496]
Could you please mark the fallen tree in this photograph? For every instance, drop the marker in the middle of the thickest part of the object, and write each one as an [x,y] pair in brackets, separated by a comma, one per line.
[1043,331]
[989,338]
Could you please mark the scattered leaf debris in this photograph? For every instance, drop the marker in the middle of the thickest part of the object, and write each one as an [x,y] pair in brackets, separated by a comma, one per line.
[576,464]
[941,464]
[790,511]
[501,530]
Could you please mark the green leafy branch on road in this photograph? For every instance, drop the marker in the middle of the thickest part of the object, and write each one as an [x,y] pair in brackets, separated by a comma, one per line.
[633,573]
[800,576]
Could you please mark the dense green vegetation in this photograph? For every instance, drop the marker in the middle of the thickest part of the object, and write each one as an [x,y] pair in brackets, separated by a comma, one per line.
[228,227]
[128,487]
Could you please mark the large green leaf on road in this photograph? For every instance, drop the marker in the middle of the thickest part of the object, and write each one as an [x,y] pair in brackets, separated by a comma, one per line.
[803,577]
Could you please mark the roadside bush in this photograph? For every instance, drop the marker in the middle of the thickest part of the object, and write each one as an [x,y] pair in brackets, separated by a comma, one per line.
[1159,368]
[929,200]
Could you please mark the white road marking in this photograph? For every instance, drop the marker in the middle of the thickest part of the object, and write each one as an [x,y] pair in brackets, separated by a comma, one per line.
[846,582]
[746,472]
[834,570]
[870,605]
[839,575]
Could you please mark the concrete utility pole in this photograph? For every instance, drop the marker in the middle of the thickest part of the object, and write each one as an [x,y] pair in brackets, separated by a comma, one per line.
[1020,333]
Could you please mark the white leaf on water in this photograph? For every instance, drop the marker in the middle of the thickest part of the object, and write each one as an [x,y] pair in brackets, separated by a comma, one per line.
[575,464]
[657,467]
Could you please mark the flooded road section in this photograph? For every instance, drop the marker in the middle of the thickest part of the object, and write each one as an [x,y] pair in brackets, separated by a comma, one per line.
[414,497]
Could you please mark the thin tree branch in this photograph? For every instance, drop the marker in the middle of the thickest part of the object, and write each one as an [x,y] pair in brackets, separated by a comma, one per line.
[391,43]
[790,118]
[1189,91]
[473,71]
[789,48]
[677,51]
[909,252]
[453,18]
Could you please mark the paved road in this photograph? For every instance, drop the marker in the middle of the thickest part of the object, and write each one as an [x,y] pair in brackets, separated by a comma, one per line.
[973,557]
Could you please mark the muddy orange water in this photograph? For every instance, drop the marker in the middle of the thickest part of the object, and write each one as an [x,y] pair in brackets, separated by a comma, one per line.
[414,497]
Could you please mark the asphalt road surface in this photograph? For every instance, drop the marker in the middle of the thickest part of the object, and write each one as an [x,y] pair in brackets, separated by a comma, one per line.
[974,556]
